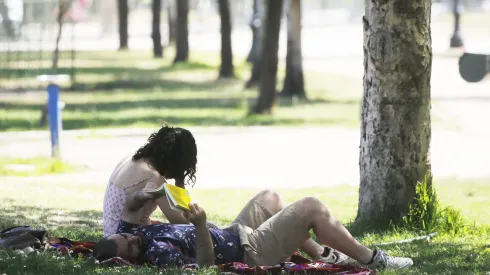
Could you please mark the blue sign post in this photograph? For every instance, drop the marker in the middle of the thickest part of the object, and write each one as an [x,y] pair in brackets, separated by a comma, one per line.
[54,115]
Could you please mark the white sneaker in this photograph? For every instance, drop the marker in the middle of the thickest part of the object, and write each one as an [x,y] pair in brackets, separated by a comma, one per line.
[381,260]
[335,257]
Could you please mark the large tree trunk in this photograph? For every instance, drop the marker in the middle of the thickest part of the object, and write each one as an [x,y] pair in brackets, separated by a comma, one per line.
[182,35]
[156,8]
[123,14]
[226,69]
[172,20]
[396,125]
[268,69]
[294,82]
[257,43]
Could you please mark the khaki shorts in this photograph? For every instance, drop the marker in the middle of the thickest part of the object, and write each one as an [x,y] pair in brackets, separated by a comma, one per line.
[269,239]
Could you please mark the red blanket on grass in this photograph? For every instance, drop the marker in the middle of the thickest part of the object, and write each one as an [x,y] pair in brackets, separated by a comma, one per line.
[24,237]
[298,264]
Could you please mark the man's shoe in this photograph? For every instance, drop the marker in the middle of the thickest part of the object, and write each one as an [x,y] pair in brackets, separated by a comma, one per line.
[381,260]
[333,256]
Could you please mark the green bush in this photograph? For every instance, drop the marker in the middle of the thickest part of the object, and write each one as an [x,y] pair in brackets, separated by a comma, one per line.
[427,215]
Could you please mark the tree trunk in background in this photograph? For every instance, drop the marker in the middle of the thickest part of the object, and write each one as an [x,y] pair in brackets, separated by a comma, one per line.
[182,35]
[260,6]
[226,69]
[294,80]
[269,59]
[6,22]
[156,8]
[63,7]
[396,124]
[172,20]
[123,14]
[254,25]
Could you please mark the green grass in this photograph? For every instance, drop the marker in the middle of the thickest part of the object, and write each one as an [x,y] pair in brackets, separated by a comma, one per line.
[34,166]
[131,89]
[73,210]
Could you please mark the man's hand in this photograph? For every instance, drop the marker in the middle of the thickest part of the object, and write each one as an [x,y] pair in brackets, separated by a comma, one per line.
[204,244]
[196,215]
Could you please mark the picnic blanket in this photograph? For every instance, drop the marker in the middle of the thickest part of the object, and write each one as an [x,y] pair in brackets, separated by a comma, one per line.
[27,239]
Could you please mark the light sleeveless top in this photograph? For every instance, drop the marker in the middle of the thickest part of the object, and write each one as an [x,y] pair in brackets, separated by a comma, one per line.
[128,177]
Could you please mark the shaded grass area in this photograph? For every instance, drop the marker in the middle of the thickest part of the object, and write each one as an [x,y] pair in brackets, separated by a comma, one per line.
[125,89]
[73,210]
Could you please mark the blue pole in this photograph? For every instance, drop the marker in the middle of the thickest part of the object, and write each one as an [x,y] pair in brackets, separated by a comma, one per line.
[54,115]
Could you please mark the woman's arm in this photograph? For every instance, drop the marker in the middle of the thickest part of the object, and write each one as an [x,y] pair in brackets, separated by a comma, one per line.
[172,216]
[134,202]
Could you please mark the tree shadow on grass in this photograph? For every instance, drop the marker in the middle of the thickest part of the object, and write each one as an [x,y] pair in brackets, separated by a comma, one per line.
[148,102]
[135,81]
[75,225]
[156,68]
[303,102]
[214,120]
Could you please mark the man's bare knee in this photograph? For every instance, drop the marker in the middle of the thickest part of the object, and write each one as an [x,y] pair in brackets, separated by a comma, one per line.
[314,206]
[269,194]
[271,200]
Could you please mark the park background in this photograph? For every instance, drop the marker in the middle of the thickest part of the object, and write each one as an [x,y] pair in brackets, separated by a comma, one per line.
[116,97]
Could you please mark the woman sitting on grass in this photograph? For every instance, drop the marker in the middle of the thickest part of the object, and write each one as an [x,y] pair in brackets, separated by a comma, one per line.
[170,153]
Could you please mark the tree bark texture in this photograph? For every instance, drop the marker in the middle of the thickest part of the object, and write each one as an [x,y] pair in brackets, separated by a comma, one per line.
[123,14]
[182,34]
[395,124]
[156,9]
[294,80]
[226,69]
[259,19]
[269,58]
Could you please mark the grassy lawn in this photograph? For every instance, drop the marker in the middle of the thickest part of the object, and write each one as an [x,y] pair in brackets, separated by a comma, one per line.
[131,89]
[34,167]
[124,89]
[73,210]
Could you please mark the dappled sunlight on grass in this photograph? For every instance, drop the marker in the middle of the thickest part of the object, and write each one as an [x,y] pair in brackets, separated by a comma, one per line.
[127,89]
[131,89]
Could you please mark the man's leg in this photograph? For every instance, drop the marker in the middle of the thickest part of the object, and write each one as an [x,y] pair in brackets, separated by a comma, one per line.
[263,206]
[282,234]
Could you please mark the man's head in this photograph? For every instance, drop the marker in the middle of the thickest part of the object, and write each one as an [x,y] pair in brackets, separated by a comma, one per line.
[126,246]
[172,152]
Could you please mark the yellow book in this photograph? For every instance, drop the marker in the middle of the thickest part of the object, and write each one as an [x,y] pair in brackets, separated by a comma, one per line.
[178,198]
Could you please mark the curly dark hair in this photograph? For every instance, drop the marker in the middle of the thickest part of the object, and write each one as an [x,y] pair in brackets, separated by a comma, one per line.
[172,152]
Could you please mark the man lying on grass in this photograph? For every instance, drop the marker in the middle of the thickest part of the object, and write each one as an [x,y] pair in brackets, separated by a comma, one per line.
[263,234]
